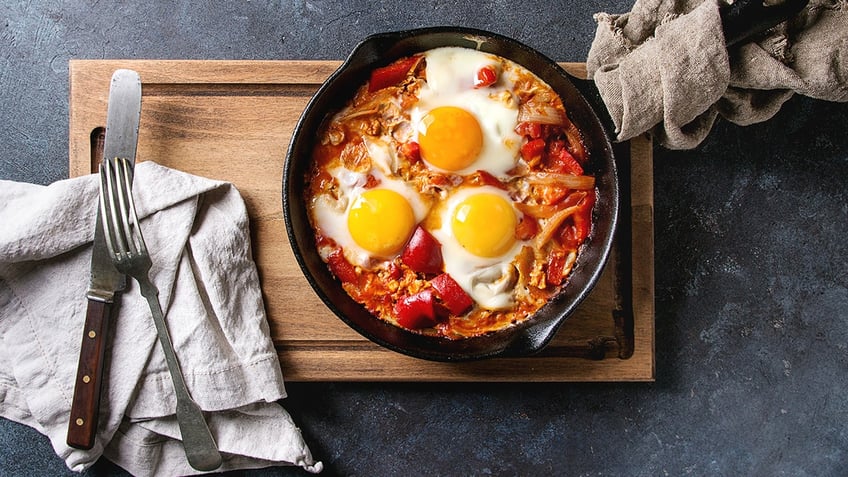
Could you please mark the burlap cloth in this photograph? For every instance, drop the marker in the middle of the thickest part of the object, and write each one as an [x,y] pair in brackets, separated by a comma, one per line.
[664,67]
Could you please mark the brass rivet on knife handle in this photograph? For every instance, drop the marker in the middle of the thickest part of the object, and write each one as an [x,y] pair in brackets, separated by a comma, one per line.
[86,402]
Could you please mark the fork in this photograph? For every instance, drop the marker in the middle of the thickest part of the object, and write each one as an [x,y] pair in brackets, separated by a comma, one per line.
[131,257]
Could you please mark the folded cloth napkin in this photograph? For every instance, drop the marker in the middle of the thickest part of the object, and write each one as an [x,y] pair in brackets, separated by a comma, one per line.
[197,233]
[665,67]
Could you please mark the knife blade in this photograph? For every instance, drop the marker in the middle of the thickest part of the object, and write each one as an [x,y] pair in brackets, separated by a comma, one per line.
[121,139]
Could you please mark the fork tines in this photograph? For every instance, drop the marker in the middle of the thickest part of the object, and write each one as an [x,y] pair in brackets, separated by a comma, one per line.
[117,207]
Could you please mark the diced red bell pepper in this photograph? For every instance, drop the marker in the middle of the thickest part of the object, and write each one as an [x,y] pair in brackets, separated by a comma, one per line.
[423,253]
[556,268]
[416,311]
[532,149]
[391,75]
[412,151]
[452,295]
[341,268]
[486,76]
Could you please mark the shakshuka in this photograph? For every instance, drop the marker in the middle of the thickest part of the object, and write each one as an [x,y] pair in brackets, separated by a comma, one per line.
[449,194]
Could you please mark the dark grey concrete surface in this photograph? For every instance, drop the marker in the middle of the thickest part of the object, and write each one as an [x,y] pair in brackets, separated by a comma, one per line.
[751,276]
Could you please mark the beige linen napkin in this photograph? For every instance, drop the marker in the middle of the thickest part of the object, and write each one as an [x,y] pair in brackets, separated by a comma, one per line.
[664,67]
[197,232]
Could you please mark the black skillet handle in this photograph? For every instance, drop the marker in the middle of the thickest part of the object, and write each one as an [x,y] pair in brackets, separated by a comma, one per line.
[745,19]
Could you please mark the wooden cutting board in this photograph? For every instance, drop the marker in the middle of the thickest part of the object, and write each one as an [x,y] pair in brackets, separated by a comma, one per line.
[232,120]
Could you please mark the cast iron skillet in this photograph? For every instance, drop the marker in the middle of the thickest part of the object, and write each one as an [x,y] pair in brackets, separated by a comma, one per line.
[742,21]
[522,339]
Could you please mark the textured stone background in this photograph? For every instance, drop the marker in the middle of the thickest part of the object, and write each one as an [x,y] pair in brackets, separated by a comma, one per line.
[751,277]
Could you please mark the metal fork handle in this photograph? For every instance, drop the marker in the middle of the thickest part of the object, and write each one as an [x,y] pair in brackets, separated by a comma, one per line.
[200,447]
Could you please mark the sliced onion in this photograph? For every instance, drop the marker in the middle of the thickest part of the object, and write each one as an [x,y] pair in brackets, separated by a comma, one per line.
[565,180]
[540,211]
[552,225]
[541,113]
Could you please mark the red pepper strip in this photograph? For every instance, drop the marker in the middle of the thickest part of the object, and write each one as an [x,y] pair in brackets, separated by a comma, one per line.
[423,253]
[560,160]
[451,294]
[583,218]
[556,267]
[416,311]
[569,163]
[532,149]
[391,75]
[486,76]
[341,268]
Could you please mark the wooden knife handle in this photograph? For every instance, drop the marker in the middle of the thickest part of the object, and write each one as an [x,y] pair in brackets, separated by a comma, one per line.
[86,402]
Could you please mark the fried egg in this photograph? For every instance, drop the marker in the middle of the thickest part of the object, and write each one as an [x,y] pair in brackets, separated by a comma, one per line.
[476,227]
[461,129]
[372,223]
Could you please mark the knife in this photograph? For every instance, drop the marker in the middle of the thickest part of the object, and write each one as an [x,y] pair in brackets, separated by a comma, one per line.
[121,138]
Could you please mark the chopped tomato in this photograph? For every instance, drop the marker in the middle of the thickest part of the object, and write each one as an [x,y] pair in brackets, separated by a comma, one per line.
[423,253]
[341,268]
[416,311]
[371,181]
[486,76]
[527,228]
[481,178]
[322,181]
[394,271]
[555,194]
[560,160]
[455,299]
[411,150]
[575,231]
[392,74]
[583,218]
[568,237]
[556,268]
[533,149]
[529,130]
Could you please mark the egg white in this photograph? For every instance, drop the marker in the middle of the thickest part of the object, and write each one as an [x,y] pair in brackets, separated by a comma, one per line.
[488,280]
[330,213]
[450,73]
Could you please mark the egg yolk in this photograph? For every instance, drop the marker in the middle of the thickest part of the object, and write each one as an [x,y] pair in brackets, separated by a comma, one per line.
[451,138]
[381,221]
[484,224]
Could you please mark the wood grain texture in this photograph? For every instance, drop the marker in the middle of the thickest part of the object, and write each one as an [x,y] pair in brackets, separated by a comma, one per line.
[232,120]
